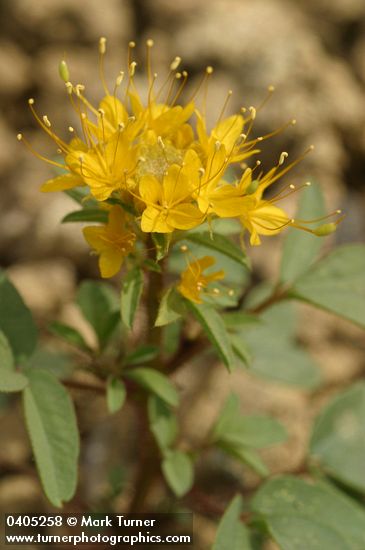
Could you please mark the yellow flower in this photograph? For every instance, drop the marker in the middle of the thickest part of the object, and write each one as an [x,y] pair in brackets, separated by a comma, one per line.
[194,282]
[262,218]
[169,203]
[112,242]
[159,159]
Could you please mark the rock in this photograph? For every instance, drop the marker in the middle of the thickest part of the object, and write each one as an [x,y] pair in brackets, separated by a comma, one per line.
[13,81]
[44,284]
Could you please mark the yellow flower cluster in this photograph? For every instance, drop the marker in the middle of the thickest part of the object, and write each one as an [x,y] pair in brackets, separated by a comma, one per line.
[158,159]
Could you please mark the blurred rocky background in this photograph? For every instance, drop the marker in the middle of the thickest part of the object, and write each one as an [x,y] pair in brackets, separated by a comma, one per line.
[312,51]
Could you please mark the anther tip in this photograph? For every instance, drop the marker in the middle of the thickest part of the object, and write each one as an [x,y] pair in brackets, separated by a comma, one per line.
[311,147]
[209,69]
[132,44]
[31,101]
[102,45]
[149,43]
[175,63]
[271,88]
[19,137]
[294,121]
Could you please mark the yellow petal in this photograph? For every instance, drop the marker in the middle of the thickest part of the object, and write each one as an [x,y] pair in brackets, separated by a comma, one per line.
[185,216]
[94,237]
[176,186]
[228,131]
[154,221]
[268,219]
[115,112]
[116,220]
[150,190]
[110,262]
[61,183]
[190,293]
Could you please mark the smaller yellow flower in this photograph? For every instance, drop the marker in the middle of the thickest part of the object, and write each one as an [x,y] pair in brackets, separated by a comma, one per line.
[262,217]
[193,282]
[112,242]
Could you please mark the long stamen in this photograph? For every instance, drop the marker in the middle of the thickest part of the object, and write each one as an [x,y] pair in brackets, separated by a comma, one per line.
[278,228]
[292,164]
[149,45]
[62,145]
[226,101]
[204,79]
[102,52]
[322,218]
[293,189]
[184,75]
[273,133]
[270,91]
[21,138]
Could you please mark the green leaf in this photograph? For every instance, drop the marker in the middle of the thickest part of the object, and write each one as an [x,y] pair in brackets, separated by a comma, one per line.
[132,287]
[236,320]
[86,215]
[338,438]
[155,382]
[51,424]
[6,355]
[99,306]
[213,326]
[301,248]
[304,516]
[81,195]
[143,354]
[248,456]
[163,423]
[337,283]
[172,306]
[240,435]
[255,431]
[69,334]
[16,321]
[162,244]
[241,350]
[231,532]
[219,243]
[276,354]
[127,207]
[223,226]
[115,394]
[178,471]
[10,380]
[171,337]
[52,360]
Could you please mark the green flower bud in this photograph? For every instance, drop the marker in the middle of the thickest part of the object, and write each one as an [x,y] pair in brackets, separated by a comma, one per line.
[325,229]
[252,187]
[63,71]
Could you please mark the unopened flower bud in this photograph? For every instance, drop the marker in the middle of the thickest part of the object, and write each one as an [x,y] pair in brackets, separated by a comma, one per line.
[252,187]
[63,71]
[325,229]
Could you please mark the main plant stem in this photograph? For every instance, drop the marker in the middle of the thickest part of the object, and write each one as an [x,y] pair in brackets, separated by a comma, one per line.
[148,464]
